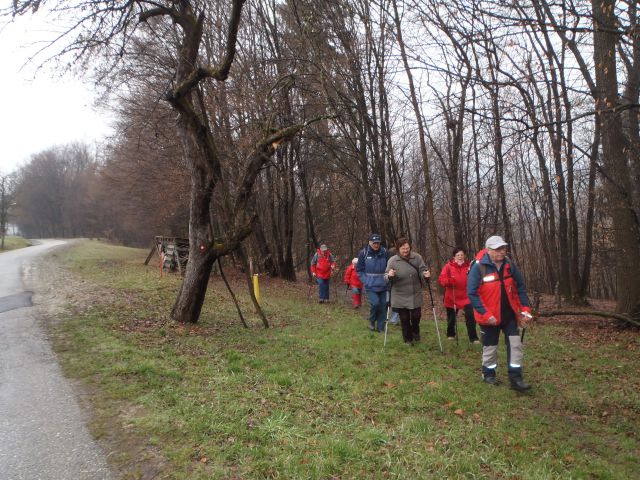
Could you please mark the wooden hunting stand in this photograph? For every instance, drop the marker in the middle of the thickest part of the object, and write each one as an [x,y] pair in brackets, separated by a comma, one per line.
[174,250]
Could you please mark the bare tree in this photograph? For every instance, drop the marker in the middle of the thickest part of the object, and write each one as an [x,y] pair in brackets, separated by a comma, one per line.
[105,25]
[7,192]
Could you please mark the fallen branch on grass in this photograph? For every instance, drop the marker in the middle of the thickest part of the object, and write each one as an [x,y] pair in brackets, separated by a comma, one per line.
[597,313]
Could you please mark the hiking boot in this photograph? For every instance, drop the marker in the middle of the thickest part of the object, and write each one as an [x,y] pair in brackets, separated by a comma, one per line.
[491,380]
[518,384]
[475,342]
[409,343]
[416,338]
[372,327]
[451,338]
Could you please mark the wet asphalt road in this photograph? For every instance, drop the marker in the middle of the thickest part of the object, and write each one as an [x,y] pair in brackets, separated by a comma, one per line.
[42,428]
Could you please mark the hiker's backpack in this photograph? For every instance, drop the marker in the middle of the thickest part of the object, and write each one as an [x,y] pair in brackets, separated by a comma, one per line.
[477,258]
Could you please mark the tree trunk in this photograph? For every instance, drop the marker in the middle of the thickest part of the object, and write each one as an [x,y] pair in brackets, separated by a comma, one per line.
[266,257]
[626,231]
[188,305]
[302,178]
[499,159]
[426,168]
[588,229]
[287,270]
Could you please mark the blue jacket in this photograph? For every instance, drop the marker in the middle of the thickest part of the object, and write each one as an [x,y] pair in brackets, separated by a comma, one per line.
[371,267]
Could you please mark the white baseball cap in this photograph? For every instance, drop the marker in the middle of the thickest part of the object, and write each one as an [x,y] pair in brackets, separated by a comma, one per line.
[495,242]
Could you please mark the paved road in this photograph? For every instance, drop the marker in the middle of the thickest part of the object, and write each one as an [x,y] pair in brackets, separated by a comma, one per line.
[42,429]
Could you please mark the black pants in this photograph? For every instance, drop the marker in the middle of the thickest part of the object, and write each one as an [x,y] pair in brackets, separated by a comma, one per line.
[410,321]
[469,320]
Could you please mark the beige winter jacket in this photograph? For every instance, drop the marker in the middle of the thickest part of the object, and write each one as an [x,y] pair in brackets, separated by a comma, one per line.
[407,284]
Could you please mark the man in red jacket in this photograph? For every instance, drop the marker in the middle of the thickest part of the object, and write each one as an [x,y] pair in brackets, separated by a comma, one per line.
[323,264]
[499,297]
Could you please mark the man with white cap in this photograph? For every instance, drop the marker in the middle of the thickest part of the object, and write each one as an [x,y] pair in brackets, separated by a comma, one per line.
[500,303]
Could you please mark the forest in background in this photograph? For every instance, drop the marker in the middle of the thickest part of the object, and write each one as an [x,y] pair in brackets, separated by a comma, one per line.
[445,123]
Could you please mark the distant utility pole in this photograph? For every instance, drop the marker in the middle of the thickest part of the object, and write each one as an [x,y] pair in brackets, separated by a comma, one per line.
[6,198]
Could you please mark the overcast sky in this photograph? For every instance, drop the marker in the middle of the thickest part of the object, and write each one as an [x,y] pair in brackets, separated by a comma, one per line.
[37,108]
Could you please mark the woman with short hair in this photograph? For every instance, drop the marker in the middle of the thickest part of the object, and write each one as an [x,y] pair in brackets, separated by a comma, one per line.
[407,272]
[454,280]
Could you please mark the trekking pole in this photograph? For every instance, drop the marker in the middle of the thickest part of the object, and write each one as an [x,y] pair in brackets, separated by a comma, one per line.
[386,321]
[455,311]
[309,291]
[435,318]
[524,328]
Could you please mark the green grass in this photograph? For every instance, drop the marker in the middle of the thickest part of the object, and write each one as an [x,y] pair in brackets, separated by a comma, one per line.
[12,243]
[317,396]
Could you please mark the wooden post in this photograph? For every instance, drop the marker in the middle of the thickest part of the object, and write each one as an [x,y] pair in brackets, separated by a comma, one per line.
[256,287]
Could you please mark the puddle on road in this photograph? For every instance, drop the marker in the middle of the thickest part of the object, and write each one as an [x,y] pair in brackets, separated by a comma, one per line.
[18,300]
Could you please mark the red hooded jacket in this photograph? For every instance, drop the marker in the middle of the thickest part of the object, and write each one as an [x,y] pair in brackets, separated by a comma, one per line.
[454,280]
[322,263]
[351,277]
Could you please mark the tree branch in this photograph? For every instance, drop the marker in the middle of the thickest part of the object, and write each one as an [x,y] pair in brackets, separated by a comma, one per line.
[597,313]
[222,72]
[157,12]
[263,151]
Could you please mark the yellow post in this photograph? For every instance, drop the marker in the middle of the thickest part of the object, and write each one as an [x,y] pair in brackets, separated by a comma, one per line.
[256,287]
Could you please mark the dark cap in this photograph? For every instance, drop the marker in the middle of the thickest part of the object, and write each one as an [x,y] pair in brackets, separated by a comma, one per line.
[375,238]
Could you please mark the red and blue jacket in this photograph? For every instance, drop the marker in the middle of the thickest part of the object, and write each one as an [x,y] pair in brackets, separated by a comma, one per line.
[484,289]
[322,263]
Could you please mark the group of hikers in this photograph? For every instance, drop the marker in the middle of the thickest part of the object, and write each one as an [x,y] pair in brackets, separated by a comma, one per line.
[490,291]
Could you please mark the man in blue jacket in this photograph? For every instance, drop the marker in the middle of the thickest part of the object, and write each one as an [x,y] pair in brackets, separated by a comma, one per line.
[372,262]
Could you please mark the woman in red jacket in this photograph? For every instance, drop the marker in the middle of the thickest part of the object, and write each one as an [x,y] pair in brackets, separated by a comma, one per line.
[352,280]
[454,280]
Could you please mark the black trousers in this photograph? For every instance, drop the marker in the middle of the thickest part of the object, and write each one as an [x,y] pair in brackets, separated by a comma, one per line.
[410,321]
[469,320]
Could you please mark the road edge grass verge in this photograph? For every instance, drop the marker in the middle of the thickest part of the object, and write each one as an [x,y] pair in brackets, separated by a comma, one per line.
[12,242]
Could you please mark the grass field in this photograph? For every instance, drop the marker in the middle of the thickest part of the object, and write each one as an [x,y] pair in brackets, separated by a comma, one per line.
[317,397]
[11,243]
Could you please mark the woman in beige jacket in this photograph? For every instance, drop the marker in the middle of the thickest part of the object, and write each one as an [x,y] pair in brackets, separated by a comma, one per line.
[407,273]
